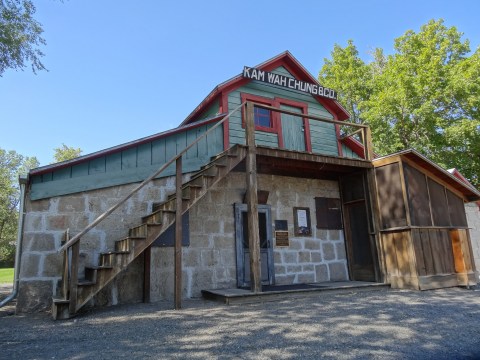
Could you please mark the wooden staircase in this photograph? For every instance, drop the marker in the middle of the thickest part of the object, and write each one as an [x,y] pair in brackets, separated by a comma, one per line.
[77,292]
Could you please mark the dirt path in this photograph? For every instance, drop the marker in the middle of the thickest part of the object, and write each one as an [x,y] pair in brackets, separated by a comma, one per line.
[381,324]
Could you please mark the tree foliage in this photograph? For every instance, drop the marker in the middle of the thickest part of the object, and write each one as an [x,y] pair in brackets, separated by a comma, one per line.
[20,36]
[11,166]
[426,95]
[65,153]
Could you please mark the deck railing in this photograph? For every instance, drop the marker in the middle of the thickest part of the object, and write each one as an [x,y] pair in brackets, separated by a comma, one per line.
[362,129]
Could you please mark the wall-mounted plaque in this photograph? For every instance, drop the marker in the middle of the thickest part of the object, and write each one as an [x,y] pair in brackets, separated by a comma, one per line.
[281,225]
[281,238]
[301,219]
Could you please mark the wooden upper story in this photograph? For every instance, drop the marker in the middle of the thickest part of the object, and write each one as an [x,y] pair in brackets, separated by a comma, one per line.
[135,161]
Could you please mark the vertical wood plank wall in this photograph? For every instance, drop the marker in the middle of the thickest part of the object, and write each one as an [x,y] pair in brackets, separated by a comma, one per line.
[430,248]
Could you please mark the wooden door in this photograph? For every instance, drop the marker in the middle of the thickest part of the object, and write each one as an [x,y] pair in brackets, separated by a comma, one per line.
[293,130]
[242,245]
[357,228]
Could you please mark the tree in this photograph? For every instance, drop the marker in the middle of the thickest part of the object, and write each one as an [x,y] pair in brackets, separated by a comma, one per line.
[20,36]
[350,76]
[424,96]
[11,166]
[65,153]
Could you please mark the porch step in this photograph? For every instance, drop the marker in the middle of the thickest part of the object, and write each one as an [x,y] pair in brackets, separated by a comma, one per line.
[245,296]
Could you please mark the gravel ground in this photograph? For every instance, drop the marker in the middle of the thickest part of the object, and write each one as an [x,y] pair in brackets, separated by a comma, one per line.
[374,324]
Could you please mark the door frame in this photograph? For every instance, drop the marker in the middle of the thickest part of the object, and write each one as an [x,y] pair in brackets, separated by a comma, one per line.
[240,208]
[370,225]
[306,122]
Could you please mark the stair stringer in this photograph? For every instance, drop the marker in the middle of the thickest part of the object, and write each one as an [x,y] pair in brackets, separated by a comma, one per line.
[153,225]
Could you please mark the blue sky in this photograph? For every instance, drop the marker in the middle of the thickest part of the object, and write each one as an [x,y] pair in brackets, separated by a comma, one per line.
[122,70]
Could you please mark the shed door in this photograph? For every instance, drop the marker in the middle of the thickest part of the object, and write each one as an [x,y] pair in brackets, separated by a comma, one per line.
[242,246]
[292,129]
[360,249]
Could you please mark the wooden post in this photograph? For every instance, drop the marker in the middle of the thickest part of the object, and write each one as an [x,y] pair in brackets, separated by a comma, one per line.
[178,235]
[380,268]
[368,144]
[75,248]
[252,201]
[66,267]
[147,256]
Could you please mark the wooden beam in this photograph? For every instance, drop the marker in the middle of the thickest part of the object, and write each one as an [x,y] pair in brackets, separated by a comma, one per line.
[368,144]
[178,235]
[380,267]
[252,202]
[147,255]
[73,285]
[309,116]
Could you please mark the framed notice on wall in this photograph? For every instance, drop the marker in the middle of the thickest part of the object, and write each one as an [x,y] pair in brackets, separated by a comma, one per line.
[302,223]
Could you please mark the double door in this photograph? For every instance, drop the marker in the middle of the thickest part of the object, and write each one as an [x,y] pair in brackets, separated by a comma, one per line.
[242,245]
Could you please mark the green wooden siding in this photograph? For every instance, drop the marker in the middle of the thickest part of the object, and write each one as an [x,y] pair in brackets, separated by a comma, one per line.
[130,165]
[211,111]
[323,136]
[349,153]
[292,129]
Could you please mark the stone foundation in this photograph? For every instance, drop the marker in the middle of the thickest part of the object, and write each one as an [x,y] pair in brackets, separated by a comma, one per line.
[210,260]
[46,222]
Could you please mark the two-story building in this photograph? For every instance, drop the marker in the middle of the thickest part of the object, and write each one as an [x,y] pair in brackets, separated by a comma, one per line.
[321,207]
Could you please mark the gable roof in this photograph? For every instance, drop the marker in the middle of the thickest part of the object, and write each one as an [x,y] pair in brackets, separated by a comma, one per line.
[294,67]
[461,185]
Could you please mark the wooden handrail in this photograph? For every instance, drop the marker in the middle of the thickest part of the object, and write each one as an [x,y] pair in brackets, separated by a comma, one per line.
[99,219]
[308,116]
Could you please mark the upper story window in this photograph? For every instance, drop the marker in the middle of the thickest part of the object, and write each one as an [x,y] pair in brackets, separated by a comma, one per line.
[263,117]
[264,120]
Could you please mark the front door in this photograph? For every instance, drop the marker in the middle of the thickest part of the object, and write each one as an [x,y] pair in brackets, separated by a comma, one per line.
[357,228]
[292,129]
[242,246]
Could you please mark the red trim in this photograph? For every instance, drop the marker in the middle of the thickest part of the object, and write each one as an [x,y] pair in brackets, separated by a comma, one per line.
[356,146]
[306,125]
[284,59]
[122,147]
[262,100]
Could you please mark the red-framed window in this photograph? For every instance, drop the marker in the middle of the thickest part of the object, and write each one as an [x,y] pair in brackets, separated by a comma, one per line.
[264,119]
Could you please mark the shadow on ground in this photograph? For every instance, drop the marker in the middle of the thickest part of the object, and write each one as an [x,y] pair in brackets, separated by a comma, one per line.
[381,324]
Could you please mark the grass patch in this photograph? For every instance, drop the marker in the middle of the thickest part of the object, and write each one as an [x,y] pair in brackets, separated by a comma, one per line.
[6,276]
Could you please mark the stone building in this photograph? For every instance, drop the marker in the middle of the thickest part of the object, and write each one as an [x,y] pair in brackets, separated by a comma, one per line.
[473,217]
[267,147]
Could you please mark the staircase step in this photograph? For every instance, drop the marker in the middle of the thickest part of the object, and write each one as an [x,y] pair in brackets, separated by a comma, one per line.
[58,300]
[86,282]
[60,308]
[127,243]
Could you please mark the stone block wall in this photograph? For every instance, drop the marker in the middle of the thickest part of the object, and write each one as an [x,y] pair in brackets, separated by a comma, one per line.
[210,260]
[44,227]
[315,258]
[473,218]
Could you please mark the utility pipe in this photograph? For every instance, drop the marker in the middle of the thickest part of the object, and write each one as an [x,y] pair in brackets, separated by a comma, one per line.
[16,271]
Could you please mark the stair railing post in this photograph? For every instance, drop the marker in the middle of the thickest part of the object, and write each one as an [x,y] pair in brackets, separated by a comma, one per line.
[368,144]
[65,285]
[178,235]
[75,250]
[252,201]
